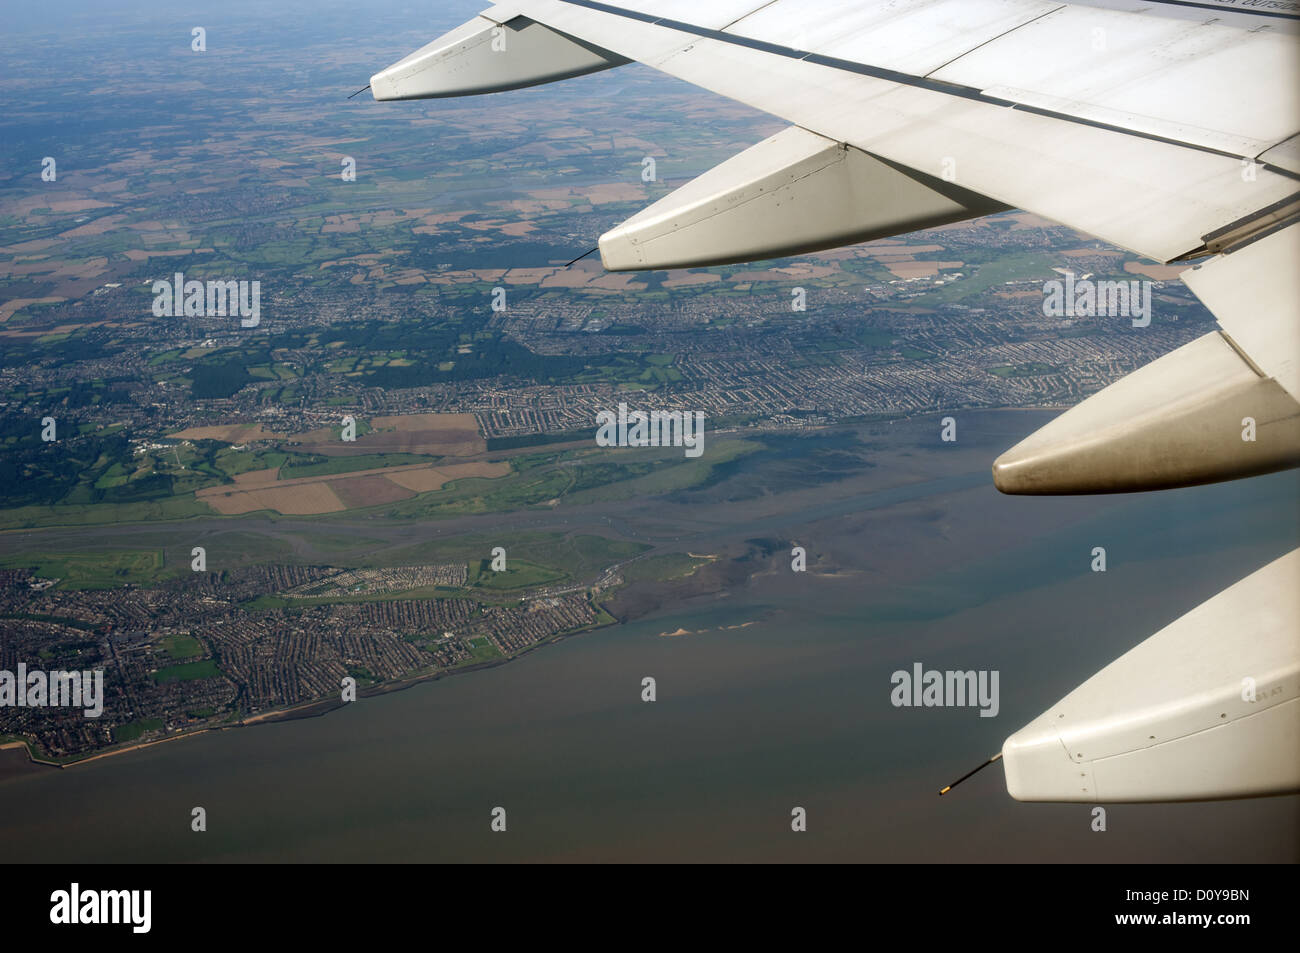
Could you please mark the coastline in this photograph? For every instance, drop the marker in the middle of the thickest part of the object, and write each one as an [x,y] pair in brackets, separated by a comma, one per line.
[316,708]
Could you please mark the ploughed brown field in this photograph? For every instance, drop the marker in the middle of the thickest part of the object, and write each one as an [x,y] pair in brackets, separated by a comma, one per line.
[443,435]
[369,491]
[341,491]
[258,477]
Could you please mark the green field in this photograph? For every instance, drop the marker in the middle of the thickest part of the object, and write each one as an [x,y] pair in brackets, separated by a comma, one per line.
[234,462]
[92,570]
[134,729]
[362,674]
[102,514]
[482,649]
[518,574]
[182,647]
[187,671]
[662,568]
[987,275]
[327,466]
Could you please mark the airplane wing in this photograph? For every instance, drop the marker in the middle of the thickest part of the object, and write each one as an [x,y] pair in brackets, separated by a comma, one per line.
[1167,127]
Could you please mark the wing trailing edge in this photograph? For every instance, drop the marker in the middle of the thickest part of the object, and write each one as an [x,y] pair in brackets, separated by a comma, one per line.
[1200,414]
[792,193]
[1222,407]
[485,56]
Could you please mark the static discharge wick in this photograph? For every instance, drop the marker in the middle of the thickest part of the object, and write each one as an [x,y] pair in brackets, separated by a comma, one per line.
[969,773]
[582,256]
